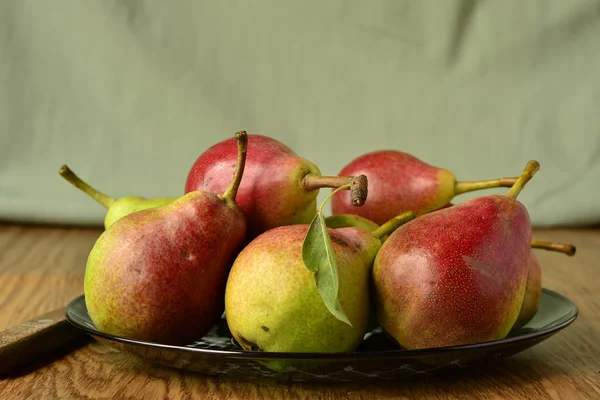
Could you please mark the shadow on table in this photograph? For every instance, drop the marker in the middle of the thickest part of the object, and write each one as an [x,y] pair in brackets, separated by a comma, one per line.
[58,354]
[513,375]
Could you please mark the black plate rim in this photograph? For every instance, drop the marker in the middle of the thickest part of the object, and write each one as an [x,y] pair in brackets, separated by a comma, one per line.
[399,353]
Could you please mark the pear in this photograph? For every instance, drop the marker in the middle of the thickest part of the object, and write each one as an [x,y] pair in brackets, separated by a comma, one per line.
[117,208]
[279,187]
[457,275]
[272,302]
[533,286]
[159,274]
[400,182]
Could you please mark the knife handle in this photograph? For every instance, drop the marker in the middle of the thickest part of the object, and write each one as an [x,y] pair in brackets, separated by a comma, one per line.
[33,341]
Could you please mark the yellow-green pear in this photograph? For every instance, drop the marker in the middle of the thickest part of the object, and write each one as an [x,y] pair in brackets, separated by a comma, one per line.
[272,302]
[117,208]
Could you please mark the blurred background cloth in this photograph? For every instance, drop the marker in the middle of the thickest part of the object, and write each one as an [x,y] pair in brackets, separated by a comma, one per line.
[129,92]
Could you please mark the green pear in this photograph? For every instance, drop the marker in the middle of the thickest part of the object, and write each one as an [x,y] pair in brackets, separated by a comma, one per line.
[159,274]
[117,208]
[272,302]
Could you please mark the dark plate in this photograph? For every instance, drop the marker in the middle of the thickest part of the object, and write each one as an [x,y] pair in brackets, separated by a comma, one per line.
[377,358]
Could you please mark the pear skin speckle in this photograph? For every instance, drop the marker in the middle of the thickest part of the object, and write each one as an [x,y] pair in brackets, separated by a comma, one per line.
[398,182]
[159,274]
[454,276]
[269,287]
[270,194]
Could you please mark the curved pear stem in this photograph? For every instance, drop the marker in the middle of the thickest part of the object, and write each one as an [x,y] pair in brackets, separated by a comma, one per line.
[471,186]
[530,170]
[358,185]
[344,187]
[314,182]
[393,224]
[564,248]
[241,138]
[74,180]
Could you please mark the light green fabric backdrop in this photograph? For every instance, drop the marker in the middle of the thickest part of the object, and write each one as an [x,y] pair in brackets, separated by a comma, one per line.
[129,93]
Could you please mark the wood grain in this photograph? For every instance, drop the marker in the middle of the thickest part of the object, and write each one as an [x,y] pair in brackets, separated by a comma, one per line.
[42,269]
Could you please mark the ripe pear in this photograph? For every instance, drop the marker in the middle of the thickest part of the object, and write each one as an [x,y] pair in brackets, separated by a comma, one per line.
[272,302]
[279,187]
[401,182]
[159,274]
[533,286]
[117,208]
[457,275]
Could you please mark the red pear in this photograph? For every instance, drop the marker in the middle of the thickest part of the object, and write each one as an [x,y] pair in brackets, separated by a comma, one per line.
[456,276]
[400,182]
[159,274]
[279,187]
[533,286]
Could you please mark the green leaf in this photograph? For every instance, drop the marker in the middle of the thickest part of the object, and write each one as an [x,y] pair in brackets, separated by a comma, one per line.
[318,257]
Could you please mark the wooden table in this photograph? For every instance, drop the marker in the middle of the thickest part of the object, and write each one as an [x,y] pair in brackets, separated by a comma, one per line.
[42,269]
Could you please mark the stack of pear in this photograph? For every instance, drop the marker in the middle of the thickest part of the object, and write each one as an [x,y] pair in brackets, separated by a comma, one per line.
[430,273]
[116,208]
[272,302]
[457,275]
[159,274]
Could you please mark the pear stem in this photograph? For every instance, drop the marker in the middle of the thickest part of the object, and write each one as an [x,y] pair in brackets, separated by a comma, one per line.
[530,170]
[344,187]
[393,224]
[470,186]
[314,182]
[564,248]
[241,138]
[358,185]
[74,180]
